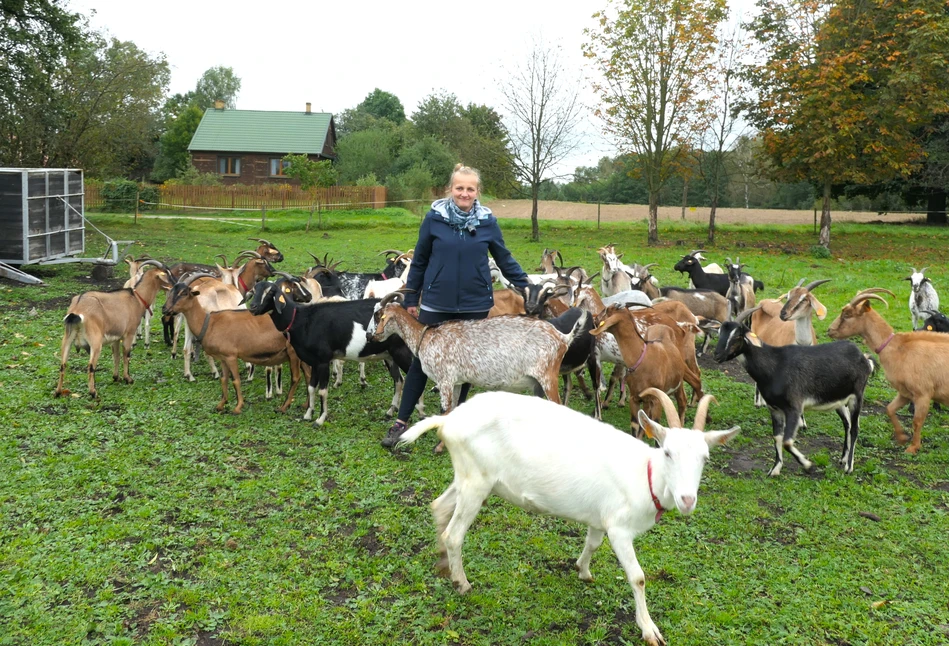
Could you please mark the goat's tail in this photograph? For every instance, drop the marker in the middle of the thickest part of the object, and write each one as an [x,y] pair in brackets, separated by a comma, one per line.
[418,429]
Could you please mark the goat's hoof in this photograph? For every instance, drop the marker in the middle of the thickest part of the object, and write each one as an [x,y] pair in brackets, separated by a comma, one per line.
[901,439]
[129,380]
[440,447]
[461,587]
[912,449]
[115,378]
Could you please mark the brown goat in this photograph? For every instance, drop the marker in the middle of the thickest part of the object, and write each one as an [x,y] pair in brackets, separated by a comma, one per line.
[230,335]
[914,362]
[95,318]
[652,357]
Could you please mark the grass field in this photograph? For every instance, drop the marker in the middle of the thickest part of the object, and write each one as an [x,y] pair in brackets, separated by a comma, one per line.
[147,518]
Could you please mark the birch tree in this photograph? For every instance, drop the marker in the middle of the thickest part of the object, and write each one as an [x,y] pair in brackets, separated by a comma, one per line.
[542,114]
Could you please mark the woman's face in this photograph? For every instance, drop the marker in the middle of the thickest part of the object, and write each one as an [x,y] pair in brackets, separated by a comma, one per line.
[464,190]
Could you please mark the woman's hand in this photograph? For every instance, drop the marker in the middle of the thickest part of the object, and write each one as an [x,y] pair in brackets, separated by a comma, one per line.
[413,310]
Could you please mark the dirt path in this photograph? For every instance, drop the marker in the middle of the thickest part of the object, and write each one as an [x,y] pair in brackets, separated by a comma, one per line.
[632,212]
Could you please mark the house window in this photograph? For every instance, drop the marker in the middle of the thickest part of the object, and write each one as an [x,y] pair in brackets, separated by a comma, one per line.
[229,165]
[278,167]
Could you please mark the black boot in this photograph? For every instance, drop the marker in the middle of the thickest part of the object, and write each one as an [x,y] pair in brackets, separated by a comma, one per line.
[393,434]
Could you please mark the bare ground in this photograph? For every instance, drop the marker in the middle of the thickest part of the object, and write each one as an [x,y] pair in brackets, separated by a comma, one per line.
[548,210]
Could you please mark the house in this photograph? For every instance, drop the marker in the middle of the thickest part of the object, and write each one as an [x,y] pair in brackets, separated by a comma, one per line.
[248,146]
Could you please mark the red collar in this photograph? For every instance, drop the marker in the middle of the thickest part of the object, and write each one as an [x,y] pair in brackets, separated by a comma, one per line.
[144,304]
[886,343]
[293,318]
[655,499]
[243,285]
[639,361]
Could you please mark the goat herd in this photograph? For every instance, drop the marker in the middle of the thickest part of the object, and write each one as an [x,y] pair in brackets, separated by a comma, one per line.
[535,453]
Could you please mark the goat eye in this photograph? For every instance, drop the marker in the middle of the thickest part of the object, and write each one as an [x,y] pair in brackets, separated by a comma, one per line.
[668,454]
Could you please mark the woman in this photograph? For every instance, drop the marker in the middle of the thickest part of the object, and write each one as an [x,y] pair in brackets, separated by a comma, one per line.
[450,270]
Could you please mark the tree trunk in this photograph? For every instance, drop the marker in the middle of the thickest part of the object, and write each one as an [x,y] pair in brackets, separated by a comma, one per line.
[824,238]
[685,196]
[653,218]
[535,229]
[936,208]
[711,220]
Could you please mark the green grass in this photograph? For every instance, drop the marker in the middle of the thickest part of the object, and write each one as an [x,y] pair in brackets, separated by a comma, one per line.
[147,518]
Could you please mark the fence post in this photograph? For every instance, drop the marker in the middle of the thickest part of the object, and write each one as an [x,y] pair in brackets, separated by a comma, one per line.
[598,216]
[310,219]
[138,198]
[263,216]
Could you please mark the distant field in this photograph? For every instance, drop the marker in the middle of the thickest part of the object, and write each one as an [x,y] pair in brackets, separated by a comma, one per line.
[549,210]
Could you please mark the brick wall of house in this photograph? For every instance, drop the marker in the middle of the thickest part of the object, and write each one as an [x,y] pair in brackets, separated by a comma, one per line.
[255,168]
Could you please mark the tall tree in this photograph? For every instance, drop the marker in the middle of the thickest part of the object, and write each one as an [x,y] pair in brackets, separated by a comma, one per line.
[475,134]
[721,130]
[844,88]
[182,114]
[217,84]
[653,58]
[378,111]
[173,157]
[36,37]
[543,112]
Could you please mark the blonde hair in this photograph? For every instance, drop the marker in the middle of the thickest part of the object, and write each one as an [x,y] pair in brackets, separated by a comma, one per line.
[461,169]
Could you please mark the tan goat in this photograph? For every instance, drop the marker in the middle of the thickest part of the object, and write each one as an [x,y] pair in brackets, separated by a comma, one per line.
[914,362]
[96,318]
[652,357]
[230,335]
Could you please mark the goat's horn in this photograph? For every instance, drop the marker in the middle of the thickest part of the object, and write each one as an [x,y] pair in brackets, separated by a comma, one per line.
[261,241]
[389,251]
[672,417]
[224,258]
[869,293]
[747,313]
[128,260]
[560,257]
[156,263]
[315,258]
[695,251]
[649,265]
[190,278]
[923,270]
[729,261]
[318,270]
[248,252]
[392,297]
[285,275]
[815,283]
[701,412]
[800,282]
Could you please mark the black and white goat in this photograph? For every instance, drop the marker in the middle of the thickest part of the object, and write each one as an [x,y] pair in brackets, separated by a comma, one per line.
[922,297]
[794,378]
[704,280]
[326,331]
[740,295]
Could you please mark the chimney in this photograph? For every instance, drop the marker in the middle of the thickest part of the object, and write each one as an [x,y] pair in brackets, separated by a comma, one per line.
[308,104]
[219,105]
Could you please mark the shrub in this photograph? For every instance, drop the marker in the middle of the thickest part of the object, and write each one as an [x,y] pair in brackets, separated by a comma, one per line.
[191,176]
[820,251]
[119,196]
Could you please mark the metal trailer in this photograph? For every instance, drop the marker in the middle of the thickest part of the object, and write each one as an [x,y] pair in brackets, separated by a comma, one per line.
[42,221]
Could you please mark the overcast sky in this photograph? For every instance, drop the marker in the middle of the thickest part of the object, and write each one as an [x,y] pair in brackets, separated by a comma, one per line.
[334,54]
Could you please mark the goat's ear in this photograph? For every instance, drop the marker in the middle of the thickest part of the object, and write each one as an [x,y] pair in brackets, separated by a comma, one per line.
[819,308]
[279,303]
[718,438]
[653,430]
[753,339]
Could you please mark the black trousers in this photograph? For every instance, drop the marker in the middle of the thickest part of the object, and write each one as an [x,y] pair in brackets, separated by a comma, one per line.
[416,379]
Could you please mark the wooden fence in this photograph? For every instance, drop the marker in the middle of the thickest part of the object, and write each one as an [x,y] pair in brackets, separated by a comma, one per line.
[255,197]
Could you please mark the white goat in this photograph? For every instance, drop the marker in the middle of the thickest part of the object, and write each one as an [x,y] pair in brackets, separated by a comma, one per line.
[550,459]
[923,299]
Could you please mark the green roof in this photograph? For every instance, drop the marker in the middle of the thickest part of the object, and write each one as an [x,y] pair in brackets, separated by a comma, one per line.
[262,131]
